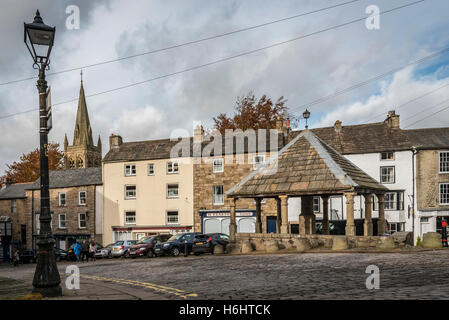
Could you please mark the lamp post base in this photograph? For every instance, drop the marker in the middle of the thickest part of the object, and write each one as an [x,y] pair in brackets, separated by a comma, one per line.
[49,292]
[46,277]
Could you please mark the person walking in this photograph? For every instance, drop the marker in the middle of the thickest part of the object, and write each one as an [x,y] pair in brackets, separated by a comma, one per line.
[85,251]
[77,250]
[92,249]
[16,258]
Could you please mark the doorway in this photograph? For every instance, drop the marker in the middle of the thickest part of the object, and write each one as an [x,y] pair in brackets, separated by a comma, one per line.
[271,224]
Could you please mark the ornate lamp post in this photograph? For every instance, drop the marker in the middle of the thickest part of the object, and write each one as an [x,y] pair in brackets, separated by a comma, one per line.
[39,39]
[306,115]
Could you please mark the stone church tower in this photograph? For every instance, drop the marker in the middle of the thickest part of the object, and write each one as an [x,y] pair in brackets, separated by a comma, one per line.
[83,153]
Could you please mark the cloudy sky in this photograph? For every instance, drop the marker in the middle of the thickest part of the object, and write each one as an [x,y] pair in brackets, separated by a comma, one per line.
[302,71]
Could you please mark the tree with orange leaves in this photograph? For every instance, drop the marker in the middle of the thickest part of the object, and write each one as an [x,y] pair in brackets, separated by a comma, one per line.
[28,168]
[251,113]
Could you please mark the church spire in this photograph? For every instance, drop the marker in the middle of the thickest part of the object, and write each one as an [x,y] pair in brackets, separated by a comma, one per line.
[83,132]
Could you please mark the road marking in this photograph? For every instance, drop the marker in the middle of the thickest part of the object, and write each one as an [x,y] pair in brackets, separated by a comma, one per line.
[153,286]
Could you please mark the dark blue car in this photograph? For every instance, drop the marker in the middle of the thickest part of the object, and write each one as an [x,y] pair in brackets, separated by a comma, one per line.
[176,244]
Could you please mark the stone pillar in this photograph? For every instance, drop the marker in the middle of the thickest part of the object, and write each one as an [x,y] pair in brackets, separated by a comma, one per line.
[284,214]
[233,223]
[279,217]
[381,221]
[325,214]
[368,225]
[307,217]
[258,215]
[350,226]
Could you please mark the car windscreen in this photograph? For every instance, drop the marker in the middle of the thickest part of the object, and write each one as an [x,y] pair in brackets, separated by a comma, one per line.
[118,243]
[145,240]
[175,237]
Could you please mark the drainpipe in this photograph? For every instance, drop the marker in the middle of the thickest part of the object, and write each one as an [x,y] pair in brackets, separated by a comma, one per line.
[414,153]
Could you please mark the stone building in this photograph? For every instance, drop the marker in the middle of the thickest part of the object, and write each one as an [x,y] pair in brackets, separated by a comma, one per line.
[76,203]
[13,231]
[82,153]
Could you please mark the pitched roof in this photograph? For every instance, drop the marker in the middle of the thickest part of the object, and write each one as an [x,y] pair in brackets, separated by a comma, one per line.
[72,178]
[351,139]
[14,191]
[364,138]
[431,138]
[306,165]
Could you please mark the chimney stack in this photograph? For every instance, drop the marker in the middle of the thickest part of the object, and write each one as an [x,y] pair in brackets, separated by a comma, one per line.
[283,123]
[198,134]
[115,141]
[392,120]
[337,126]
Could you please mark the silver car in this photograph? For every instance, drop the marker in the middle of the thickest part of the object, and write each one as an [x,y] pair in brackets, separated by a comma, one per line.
[120,248]
[104,252]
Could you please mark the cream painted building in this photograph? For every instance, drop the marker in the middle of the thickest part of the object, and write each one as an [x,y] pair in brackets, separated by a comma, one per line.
[145,191]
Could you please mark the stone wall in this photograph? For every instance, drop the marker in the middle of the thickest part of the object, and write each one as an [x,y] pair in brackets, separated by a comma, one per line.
[17,218]
[290,242]
[71,209]
[428,180]
[204,179]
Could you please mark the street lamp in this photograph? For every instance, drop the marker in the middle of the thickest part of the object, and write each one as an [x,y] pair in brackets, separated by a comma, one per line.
[306,115]
[39,40]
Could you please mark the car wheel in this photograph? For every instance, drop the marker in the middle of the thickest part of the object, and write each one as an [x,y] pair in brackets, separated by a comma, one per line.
[150,253]
[126,255]
[197,253]
[175,251]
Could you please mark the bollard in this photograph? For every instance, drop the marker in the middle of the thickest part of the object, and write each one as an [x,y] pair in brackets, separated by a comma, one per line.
[444,233]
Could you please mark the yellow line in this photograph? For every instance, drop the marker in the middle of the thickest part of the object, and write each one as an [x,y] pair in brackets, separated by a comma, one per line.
[148,285]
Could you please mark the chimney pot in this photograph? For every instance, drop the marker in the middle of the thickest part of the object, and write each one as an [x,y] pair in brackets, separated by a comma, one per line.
[337,126]
[115,141]
[392,120]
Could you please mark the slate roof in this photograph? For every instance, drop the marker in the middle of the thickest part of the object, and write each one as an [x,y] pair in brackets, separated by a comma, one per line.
[306,165]
[14,191]
[352,139]
[431,138]
[72,178]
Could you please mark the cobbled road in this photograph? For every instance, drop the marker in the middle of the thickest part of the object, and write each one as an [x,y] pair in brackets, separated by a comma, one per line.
[423,275]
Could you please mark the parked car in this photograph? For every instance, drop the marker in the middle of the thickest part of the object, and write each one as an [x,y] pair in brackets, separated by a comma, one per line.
[176,244]
[60,254]
[205,243]
[28,256]
[145,246]
[120,248]
[104,252]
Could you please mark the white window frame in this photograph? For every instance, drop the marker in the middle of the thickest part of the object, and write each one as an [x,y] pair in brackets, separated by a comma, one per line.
[177,217]
[318,199]
[446,184]
[148,168]
[216,199]
[169,196]
[129,170]
[135,192]
[85,198]
[439,161]
[394,202]
[172,164]
[394,174]
[221,166]
[392,152]
[13,205]
[257,165]
[59,199]
[65,221]
[135,218]
[38,223]
[140,235]
[79,220]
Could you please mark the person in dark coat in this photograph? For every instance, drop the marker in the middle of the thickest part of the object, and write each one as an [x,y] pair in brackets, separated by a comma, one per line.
[85,251]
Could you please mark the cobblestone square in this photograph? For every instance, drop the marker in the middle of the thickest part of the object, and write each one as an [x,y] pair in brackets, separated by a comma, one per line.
[422,275]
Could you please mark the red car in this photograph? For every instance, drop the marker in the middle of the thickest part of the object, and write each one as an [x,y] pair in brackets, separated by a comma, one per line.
[145,246]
